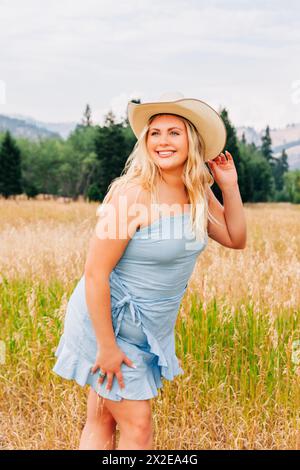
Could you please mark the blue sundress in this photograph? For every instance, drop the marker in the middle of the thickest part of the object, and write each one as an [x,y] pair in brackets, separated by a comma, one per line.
[147,286]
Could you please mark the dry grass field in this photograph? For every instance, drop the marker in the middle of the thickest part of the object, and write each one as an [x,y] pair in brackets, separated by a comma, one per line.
[236,329]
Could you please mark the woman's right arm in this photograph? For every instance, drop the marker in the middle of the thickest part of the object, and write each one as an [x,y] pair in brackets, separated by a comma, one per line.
[104,252]
[97,291]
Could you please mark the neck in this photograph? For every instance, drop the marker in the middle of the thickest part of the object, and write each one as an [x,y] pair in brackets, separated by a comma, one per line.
[172,180]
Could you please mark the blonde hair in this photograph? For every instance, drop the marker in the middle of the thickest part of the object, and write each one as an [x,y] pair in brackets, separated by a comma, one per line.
[142,169]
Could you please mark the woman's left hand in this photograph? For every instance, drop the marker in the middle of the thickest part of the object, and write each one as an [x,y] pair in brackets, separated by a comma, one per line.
[223,170]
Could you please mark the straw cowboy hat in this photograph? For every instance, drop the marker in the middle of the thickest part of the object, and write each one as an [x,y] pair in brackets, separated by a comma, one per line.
[206,120]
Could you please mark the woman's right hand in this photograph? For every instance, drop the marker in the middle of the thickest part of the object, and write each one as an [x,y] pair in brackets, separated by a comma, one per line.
[109,361]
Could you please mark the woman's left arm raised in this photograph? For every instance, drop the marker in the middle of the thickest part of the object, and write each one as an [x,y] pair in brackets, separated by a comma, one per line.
[233,232]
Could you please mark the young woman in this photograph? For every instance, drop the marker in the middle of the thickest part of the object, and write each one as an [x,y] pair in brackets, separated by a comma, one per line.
[119,327]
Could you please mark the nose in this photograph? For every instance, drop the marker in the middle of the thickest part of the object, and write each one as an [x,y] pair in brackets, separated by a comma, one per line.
[163,140]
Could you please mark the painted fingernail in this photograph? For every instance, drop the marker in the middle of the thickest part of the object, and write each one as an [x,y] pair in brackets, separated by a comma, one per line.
[133,365]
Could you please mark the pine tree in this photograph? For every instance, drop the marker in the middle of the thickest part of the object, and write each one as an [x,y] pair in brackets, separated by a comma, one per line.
[281,166]
[110,119]
[266,146]
[10,167]
[110,148]
[87,121]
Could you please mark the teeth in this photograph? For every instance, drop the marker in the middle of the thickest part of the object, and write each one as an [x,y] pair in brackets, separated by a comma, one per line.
[165,153]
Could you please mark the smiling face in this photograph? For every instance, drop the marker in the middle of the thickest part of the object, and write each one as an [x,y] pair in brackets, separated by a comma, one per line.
[167,142]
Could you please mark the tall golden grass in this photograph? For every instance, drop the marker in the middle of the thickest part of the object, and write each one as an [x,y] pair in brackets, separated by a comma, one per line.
[235,333]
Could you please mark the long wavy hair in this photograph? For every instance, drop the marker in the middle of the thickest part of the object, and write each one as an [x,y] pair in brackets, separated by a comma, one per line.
[141,169]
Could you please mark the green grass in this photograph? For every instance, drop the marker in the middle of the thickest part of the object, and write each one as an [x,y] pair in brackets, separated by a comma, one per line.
[240,388]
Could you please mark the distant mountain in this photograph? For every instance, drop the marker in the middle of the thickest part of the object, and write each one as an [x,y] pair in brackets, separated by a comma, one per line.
[62,129]
[287,138]
[23,128]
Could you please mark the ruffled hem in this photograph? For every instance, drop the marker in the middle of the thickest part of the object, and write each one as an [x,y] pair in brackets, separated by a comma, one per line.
[73,365]
[70,365]
[169,369]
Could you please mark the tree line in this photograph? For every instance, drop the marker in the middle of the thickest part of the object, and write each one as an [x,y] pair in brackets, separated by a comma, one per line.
[92,156]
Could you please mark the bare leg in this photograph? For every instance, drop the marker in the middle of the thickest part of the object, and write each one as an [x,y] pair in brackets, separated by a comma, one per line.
[99,432]
[134,419]
[143,441]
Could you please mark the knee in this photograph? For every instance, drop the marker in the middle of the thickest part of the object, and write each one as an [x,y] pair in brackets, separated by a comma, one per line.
[107,421]
[140,431]
[107,418]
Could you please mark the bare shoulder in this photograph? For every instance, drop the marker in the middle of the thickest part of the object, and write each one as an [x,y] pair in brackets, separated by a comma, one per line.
[138,203]
[115,227]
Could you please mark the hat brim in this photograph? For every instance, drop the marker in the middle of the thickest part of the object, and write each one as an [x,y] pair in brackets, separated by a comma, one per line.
[207,121]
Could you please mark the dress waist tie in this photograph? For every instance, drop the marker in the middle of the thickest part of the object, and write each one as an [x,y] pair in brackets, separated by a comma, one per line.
[118,310]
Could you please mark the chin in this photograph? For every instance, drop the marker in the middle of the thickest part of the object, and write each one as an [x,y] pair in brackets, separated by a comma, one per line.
[167,164]
[166,161]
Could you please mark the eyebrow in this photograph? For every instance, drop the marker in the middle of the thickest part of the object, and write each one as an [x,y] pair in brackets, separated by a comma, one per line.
[170,128]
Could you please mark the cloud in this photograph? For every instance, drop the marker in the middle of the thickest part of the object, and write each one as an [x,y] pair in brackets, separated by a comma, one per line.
[58,55]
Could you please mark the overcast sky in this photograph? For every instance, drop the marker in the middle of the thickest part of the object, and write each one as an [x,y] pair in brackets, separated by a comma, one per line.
[58,55]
